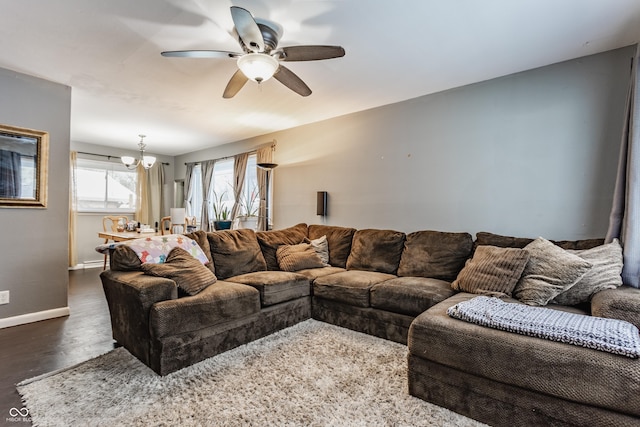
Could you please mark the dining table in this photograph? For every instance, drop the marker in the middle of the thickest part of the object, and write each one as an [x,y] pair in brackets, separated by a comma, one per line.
[122,236]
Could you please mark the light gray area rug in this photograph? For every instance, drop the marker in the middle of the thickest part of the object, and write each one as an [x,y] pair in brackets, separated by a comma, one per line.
[312,374]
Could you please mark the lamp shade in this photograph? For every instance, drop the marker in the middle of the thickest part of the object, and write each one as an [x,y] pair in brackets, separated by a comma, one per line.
[178,216]
[258,67]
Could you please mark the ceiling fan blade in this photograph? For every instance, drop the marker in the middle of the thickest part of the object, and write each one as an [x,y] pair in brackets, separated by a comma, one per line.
[311,53]
[292,81]
[247,29]
[235,84]
[200,54]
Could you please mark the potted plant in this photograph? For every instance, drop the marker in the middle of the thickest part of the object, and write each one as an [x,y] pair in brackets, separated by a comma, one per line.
[221,213]
[249,205]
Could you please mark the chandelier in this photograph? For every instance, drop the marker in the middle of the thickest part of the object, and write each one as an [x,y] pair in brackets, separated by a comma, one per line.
[146,161]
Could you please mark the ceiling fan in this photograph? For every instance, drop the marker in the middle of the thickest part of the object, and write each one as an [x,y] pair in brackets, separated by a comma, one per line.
[260,61]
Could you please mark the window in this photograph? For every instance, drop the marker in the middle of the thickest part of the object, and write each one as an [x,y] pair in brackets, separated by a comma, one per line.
[222,188]
[104,186]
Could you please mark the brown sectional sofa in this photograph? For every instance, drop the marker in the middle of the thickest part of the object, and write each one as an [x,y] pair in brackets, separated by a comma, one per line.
[389,284]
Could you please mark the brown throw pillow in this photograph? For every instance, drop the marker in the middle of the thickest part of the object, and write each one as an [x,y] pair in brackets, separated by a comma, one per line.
[550,271]
[189,274]
[298,257]
[492,270]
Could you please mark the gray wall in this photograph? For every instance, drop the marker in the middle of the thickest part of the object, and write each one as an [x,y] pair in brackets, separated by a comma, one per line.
[530,154]
[33,254]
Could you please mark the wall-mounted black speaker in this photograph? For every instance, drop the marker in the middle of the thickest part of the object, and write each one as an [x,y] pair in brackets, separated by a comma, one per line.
[321,208]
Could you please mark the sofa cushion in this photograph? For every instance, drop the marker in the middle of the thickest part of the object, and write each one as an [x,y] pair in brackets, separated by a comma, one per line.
[351,287]
[338,239]
[217,304]
[314,273]
[298,257]
[436,254]
[569,372]
[621,303]
[409,295]
[550,271]
[271,240]
[376,250]
[235,252]
[492,270]
[275,286]
[123,258]
[190,275]
[605,274]
[200,237]
[491,239]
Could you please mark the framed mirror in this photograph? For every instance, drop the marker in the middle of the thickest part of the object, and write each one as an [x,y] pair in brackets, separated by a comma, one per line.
[24,156]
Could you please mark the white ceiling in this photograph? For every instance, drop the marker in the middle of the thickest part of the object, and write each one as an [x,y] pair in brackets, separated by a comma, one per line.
[108,51]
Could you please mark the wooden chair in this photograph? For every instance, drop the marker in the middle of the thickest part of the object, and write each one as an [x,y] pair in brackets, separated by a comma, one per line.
[110,223]
[166,229]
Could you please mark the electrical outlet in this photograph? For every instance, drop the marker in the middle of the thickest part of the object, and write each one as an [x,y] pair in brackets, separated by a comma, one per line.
[4,297]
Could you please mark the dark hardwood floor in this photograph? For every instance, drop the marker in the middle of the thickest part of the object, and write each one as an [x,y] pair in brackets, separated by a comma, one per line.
[40,347]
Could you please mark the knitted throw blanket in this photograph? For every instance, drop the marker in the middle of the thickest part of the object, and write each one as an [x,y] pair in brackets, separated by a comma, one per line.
[611,335]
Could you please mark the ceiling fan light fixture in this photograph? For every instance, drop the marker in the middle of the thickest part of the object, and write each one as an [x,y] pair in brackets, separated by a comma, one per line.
[258,67]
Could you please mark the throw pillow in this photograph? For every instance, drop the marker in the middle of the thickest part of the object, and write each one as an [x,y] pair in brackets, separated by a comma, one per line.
[550,271]
[321,246]
[492,270]
[605,274]
[298,257]
[270,241]
[189,274]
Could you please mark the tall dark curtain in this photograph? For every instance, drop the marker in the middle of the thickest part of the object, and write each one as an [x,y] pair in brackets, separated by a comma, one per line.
[10,175]
[624,222]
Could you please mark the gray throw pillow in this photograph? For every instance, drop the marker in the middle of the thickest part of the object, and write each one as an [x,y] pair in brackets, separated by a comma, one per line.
[605,274]
[550,271]
[180,266]
[321,246]
[492,270]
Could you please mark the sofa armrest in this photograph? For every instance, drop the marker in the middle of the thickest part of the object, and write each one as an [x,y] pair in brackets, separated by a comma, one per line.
[130,295]
[621,303]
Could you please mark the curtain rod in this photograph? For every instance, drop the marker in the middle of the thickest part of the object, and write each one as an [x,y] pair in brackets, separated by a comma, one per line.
[108,156]
[271,143]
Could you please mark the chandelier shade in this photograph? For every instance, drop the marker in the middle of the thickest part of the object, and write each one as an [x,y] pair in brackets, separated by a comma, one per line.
[146,161]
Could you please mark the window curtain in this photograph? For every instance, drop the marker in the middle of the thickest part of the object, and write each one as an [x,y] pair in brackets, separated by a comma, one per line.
[207,184]
[10,174]
[150,203]
[73,208]
[239,172]
[624,221]
[187,190]
[263,155]
[155,183]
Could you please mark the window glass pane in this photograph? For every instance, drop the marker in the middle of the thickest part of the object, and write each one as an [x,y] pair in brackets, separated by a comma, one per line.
[195,194]
[250,197]
[222,188]
[105,186]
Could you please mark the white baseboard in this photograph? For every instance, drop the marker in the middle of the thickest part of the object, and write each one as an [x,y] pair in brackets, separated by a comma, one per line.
[34,317]
[88,264]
